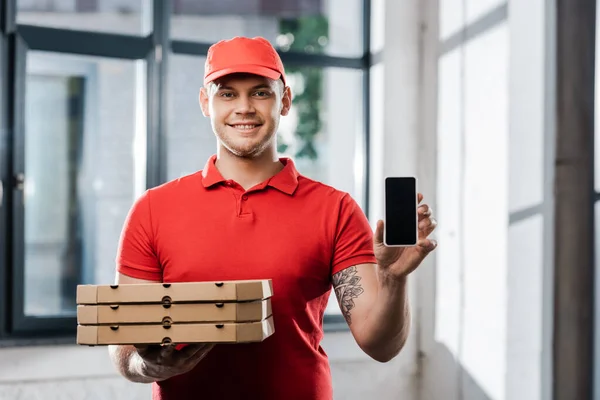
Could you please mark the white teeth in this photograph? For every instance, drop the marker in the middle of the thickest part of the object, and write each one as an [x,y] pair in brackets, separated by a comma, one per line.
[248,127]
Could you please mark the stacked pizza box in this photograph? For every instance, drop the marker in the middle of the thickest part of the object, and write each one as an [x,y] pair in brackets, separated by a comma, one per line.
[175,313]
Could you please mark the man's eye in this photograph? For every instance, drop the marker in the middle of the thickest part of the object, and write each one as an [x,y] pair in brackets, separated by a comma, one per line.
[226,94]
[262,93]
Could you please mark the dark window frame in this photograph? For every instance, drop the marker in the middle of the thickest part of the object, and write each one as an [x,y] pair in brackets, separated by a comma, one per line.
[15,41]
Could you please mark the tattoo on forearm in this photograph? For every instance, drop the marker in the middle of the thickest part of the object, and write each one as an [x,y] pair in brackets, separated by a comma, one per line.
[347,288]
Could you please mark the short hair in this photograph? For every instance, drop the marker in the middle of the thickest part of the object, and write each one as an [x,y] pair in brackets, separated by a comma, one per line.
[276,84]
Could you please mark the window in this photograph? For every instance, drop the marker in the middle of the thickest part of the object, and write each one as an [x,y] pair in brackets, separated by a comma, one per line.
[473,97]
[116,16]
[324,130]
[53,243]
[77,135]
[310,26]
[191,140]
[80,125]
[103,103]
[78,179]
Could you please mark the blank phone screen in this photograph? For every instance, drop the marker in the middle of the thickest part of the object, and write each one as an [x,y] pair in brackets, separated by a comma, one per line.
[400,211]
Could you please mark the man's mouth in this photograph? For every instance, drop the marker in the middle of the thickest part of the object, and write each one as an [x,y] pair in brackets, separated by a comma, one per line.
[245,127]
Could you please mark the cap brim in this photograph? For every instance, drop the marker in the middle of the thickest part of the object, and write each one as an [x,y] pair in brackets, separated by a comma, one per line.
[247,69]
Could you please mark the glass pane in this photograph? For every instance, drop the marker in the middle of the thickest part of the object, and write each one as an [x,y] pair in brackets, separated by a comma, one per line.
[449,155]
[331,27]
[323,132]
[476,9]
[83,132]
[451,17]
[190,138]
[133,17]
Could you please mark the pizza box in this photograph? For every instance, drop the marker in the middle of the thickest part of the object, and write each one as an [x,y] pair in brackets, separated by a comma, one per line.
[180,292]
[145,334]
[173,313]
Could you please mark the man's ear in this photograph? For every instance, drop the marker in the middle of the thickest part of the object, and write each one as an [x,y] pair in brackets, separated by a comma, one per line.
[203,99]
[286,101]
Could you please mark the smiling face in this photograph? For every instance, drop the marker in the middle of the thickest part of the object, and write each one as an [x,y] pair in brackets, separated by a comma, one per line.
[244,111]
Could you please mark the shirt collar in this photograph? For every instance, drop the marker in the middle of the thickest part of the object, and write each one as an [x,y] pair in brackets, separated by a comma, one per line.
[210,174]
[285,180]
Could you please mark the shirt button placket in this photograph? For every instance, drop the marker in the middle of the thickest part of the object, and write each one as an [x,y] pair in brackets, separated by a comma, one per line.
[244,205]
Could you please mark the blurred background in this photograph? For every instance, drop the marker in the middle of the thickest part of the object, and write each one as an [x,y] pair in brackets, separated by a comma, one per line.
[490,103]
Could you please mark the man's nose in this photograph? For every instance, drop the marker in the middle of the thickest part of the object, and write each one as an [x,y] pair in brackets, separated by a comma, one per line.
[245,105]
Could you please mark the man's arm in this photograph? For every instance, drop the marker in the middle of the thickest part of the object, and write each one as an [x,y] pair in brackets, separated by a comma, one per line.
[373,297]
[376,310]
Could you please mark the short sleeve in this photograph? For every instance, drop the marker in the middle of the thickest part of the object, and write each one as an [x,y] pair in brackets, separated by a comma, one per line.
[353,237]
[136,255]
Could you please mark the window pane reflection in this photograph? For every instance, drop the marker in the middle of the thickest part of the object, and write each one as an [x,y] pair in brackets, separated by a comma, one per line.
[191,140]
[82,135]
[331,27]
[131,17]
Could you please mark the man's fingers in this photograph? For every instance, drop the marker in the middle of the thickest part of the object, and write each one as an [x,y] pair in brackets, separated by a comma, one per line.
[427,245]
[202,351]
[427,222]
[167,350]
[145,350]
[191,350]
[424,211]
[419,197]
[191,359]
[378,237]
[426,227]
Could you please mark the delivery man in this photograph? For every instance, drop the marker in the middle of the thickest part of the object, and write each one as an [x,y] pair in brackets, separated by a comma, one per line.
[250,215]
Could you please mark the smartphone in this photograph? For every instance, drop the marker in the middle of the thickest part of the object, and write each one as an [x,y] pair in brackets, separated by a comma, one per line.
[401,219]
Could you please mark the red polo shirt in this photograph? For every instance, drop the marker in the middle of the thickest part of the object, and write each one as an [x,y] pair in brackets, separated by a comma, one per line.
[290,229]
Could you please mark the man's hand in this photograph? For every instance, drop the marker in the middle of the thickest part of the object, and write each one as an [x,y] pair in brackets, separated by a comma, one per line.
[398,262]
[163,362]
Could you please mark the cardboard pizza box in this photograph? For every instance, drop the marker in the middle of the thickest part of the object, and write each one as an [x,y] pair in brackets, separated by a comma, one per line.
[244,332]
[180,292]
[173,313]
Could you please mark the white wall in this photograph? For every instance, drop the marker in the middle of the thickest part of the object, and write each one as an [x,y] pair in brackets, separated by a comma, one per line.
[396,85]
[529,325]
[485,325]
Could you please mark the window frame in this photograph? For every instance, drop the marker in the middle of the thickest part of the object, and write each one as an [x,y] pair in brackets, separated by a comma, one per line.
[15,41]
[21,323]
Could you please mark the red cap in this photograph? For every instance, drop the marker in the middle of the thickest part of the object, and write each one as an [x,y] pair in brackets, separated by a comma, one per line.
[242,54]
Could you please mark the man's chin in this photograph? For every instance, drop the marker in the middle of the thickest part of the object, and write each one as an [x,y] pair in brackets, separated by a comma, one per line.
[248,149]
[247,153]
